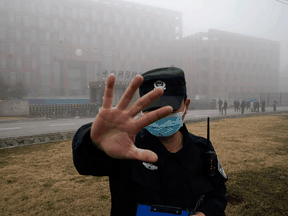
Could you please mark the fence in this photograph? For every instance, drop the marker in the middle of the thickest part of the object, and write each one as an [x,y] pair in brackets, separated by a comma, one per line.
[281,98]
[63,110]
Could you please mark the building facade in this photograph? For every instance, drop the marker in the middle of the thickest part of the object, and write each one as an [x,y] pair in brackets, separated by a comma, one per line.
[218,63]
[58,47]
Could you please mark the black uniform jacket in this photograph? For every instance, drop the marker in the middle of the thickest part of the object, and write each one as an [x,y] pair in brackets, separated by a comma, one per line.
[176,179]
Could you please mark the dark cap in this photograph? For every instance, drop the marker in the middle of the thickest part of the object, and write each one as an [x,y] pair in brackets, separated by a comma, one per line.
[171,80]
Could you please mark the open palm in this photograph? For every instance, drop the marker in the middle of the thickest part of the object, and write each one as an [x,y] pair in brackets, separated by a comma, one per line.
[114,129]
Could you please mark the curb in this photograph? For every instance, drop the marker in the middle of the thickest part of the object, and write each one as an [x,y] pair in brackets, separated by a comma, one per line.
[233,116]
[13,142]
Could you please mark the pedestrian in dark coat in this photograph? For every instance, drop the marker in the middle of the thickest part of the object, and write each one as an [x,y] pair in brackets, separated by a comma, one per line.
[220,102]
[225,107]
[274,105]
[238,104]
[243,104]
[257,105]
[235,105]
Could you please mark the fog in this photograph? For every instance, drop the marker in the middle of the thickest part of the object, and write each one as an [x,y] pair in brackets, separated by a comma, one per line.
[258,18]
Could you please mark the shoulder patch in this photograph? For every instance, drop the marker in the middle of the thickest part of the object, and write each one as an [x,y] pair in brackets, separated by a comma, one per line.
[221,169]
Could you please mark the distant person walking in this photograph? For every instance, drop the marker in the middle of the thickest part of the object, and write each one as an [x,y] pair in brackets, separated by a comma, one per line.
[243,104]
[257,105]
[274,105]
[262,105]
[235,105]
[248,104]
[225,107]
[220,102]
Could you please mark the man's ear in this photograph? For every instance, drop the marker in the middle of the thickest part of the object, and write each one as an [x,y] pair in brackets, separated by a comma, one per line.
[187,105]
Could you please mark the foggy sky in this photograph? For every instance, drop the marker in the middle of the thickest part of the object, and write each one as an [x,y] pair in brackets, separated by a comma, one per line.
[258,18]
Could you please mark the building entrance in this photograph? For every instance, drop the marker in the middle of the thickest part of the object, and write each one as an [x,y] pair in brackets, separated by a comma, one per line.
[78,76]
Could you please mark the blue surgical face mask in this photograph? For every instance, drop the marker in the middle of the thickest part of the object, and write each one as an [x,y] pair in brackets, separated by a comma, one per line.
[167,126]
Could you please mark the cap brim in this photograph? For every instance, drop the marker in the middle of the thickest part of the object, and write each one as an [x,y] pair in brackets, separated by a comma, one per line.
[164,100]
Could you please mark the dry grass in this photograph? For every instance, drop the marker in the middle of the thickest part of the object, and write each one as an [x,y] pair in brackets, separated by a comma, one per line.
[42,180]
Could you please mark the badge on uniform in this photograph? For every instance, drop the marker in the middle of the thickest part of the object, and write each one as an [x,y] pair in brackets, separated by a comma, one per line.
[221,169]
[157,210]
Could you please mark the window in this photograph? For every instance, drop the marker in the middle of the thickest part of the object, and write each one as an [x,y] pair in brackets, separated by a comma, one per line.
[74,26]
[58,51]
[19,48]
[96,54]
[19,63]
[33,49]
[110,30]
[74,13]
[69,51]
[26,21]
[69,25]
[69,38]
[61,24]
[28,77]
[69,12]
[47,36]
[74,39]
[18,34]
[11,19]
[96,15]
[42,36]
[28,63]
[41,22]
[99,29]
[81,27]
[33,7]
[2,47]
[55,37]
[2,33]
[55,24]
[61,11]
[87,27]
[47,23]
[3,62]
[12,49]
[47,9]
[82,39]
[55,10]
[27,49]
[18,19]
[82,14]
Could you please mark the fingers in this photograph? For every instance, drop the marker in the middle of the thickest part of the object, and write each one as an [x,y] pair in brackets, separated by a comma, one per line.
[152,116]
[143,155]
[129,93]
[108,95]
[144,101]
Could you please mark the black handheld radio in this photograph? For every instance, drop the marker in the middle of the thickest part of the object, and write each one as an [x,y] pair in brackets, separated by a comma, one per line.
[210,156]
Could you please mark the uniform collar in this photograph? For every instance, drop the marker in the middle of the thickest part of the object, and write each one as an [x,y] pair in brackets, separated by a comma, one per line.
[152,143]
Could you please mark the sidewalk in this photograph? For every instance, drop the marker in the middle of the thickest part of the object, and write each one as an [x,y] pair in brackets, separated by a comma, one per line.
[16,119]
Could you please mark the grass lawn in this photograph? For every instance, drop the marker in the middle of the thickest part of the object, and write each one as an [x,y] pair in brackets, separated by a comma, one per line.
[42,180]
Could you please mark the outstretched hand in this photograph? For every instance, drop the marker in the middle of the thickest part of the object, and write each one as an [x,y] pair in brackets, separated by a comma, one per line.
[114,129]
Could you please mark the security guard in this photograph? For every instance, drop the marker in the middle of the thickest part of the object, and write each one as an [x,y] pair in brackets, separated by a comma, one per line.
[152,159]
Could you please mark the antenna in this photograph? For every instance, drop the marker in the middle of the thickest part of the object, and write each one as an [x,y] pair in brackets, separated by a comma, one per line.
[208,132]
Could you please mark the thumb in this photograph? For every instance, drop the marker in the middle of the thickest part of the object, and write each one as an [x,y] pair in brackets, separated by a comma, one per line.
[144,155]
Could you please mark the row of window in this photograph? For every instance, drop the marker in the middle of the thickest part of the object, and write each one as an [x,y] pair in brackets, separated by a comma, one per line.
[240,66]
[256,79]
[19,34]
[239,54]
[31,49]
[227,88]
[84,14]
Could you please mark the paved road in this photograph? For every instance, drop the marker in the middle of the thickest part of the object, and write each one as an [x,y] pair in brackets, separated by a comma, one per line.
[28,127]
